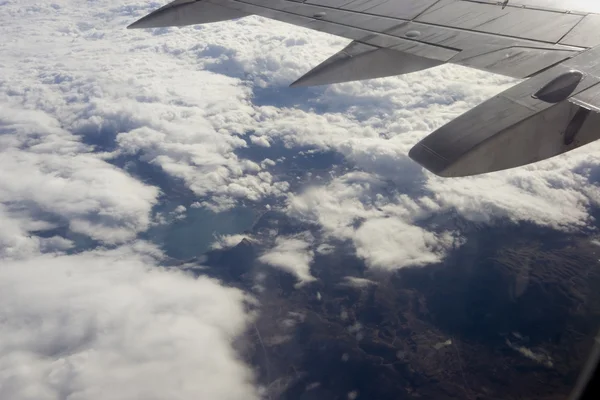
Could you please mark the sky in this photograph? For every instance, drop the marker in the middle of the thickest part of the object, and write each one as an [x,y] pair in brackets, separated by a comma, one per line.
[83,101]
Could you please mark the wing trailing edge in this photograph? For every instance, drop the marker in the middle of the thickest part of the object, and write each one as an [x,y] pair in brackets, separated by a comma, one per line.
[588,99]
[359,61]
[187,12]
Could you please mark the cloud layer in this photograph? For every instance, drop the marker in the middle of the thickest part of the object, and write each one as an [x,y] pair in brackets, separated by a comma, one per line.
[292,254]
[113,324]
[82,100]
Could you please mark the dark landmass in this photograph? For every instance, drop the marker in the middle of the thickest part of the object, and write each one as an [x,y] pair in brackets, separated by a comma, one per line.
[511,314]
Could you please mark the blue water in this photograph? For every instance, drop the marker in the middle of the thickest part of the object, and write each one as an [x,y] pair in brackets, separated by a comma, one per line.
[192,236]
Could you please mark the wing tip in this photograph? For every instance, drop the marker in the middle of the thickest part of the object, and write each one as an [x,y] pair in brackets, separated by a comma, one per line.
[429,160]
[303,82]
[144,22]
[187,13]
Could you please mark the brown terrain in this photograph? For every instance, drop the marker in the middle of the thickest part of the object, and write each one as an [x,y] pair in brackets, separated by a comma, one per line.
[500,320]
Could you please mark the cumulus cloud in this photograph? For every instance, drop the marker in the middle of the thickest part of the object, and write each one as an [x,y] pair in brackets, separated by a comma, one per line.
[16,242]
[292,254]
[228,241]
[135,94]
[379,221]
[260,141]
[77,97]
[338,205]
[555,193]
[113,324]
[391,243]
[188,147]
[49,175]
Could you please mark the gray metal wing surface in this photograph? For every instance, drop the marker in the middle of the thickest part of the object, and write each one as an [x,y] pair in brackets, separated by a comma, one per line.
[541,39]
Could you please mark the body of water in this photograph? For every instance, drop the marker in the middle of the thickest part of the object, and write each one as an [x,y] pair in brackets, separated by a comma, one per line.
[193,235]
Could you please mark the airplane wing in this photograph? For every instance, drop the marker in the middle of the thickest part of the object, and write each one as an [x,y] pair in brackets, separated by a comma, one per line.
[546,41]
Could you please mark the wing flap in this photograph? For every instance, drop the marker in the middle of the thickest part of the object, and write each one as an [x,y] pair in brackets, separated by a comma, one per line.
[360,61]
[585,33]
[405,9]
[368,22]
[563,6]
[518,62]
[522,23]
[186,12]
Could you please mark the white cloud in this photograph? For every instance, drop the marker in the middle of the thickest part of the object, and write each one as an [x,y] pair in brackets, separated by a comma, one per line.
[135,93]
[228,241]
[381,227]
[541,358]
[292,254]
[16,242]
[555,193]
[260,141]
[112,324]
[391,243]
[46,173]
[338,205]
[180,209]
[97,199]
[325,248]
[357,283]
